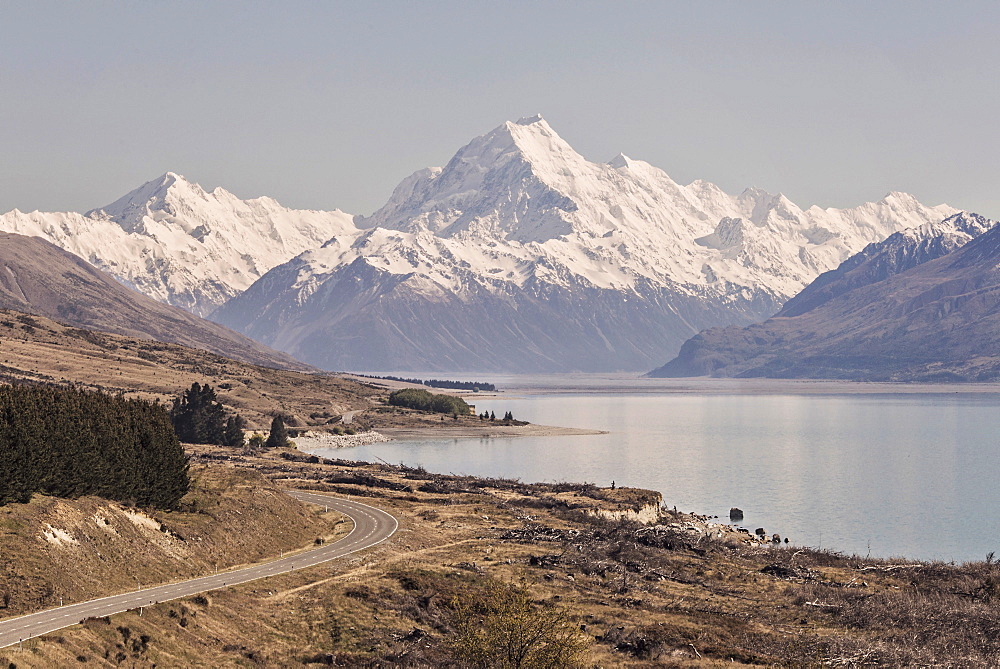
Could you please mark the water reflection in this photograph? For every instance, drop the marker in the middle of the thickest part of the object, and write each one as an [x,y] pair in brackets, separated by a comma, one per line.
[888,475]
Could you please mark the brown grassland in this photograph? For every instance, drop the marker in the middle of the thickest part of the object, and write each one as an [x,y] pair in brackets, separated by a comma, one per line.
[477,567]
[686,594]
[37,349]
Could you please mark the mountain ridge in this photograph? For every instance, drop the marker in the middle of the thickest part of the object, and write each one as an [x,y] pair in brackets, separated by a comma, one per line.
[39,278]
[921,306]
[180,244]
[516,217]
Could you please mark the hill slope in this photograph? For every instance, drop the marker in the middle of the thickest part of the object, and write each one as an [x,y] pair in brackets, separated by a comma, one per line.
[520,255]
[909,309]
[36,349]
[39,278]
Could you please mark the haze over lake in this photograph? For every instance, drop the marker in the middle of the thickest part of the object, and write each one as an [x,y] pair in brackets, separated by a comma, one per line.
[880,470]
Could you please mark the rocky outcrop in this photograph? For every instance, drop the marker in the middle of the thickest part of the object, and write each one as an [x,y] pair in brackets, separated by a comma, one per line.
[314,441]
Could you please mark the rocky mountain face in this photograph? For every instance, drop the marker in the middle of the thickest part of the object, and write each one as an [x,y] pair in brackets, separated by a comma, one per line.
[179,244]
[37,277]
[520,255]
[923,305]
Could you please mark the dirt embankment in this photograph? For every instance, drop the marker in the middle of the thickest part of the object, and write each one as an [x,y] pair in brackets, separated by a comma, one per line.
[58,550]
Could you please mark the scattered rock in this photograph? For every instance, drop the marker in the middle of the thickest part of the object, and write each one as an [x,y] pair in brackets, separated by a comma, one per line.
[788,571]
[735,514]
[470,566]
[319,440]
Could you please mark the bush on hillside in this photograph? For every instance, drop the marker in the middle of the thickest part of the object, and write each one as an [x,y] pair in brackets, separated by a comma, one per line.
[423,400]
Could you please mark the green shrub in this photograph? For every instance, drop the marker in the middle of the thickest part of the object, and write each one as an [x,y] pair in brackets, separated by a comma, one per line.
[413,398]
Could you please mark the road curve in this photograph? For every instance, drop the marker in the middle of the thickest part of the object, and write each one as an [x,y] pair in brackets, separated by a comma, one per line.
[371,526]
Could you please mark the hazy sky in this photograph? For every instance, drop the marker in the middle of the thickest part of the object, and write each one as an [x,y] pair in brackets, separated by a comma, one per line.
[329,105]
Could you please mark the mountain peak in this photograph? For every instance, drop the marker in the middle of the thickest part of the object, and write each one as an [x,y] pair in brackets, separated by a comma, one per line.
[531,120]
[620,161]
[128,211]
[896,196]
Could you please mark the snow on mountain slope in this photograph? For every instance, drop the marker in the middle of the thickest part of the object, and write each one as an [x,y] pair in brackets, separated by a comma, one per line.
[920,306]
[897,253]
[520,254]
[182,245]
[526,190]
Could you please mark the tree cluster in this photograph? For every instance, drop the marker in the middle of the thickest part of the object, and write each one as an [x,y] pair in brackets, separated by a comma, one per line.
[474,386]
[423,400]
[68,443]
[199,418]
[490,415]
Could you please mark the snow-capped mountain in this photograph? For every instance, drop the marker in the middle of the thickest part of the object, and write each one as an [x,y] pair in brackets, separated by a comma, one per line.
[182,245]
[923,305]
[897,253]
[521,255]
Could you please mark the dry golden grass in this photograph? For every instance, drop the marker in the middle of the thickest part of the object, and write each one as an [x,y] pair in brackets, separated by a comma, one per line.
[37,349]
[76,550]
[673,597]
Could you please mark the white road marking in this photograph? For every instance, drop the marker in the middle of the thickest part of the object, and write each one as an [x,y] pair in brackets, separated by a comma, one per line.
[38,622]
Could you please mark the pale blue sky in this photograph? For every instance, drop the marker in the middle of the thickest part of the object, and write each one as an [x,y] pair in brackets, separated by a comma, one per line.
[329,104]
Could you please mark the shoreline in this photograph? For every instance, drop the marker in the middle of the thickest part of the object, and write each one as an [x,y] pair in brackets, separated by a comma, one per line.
[626,384]
[513,386]
[486,431]
[317,440]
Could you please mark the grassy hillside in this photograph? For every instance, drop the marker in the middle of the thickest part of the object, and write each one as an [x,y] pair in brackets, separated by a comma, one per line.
[42,279]
[39,349]
[687,594]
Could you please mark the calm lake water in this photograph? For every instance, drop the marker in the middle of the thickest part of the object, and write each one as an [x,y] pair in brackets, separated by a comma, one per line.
[885,474]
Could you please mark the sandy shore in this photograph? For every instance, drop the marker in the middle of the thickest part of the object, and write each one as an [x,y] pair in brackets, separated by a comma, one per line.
[461,431]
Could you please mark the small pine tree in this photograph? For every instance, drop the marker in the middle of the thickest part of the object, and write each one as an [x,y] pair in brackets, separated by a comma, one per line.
[198,417]
[233,434]
[279,435]
[493,415]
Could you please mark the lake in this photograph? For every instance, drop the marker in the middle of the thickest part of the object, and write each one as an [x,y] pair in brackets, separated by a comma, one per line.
[874,472]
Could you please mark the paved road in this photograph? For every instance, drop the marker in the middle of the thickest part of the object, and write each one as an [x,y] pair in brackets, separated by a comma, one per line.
[371,526]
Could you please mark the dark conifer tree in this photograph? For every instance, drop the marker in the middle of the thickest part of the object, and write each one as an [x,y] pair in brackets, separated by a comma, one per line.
[233,434]
[198,417]
[278,438]
[69,443]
